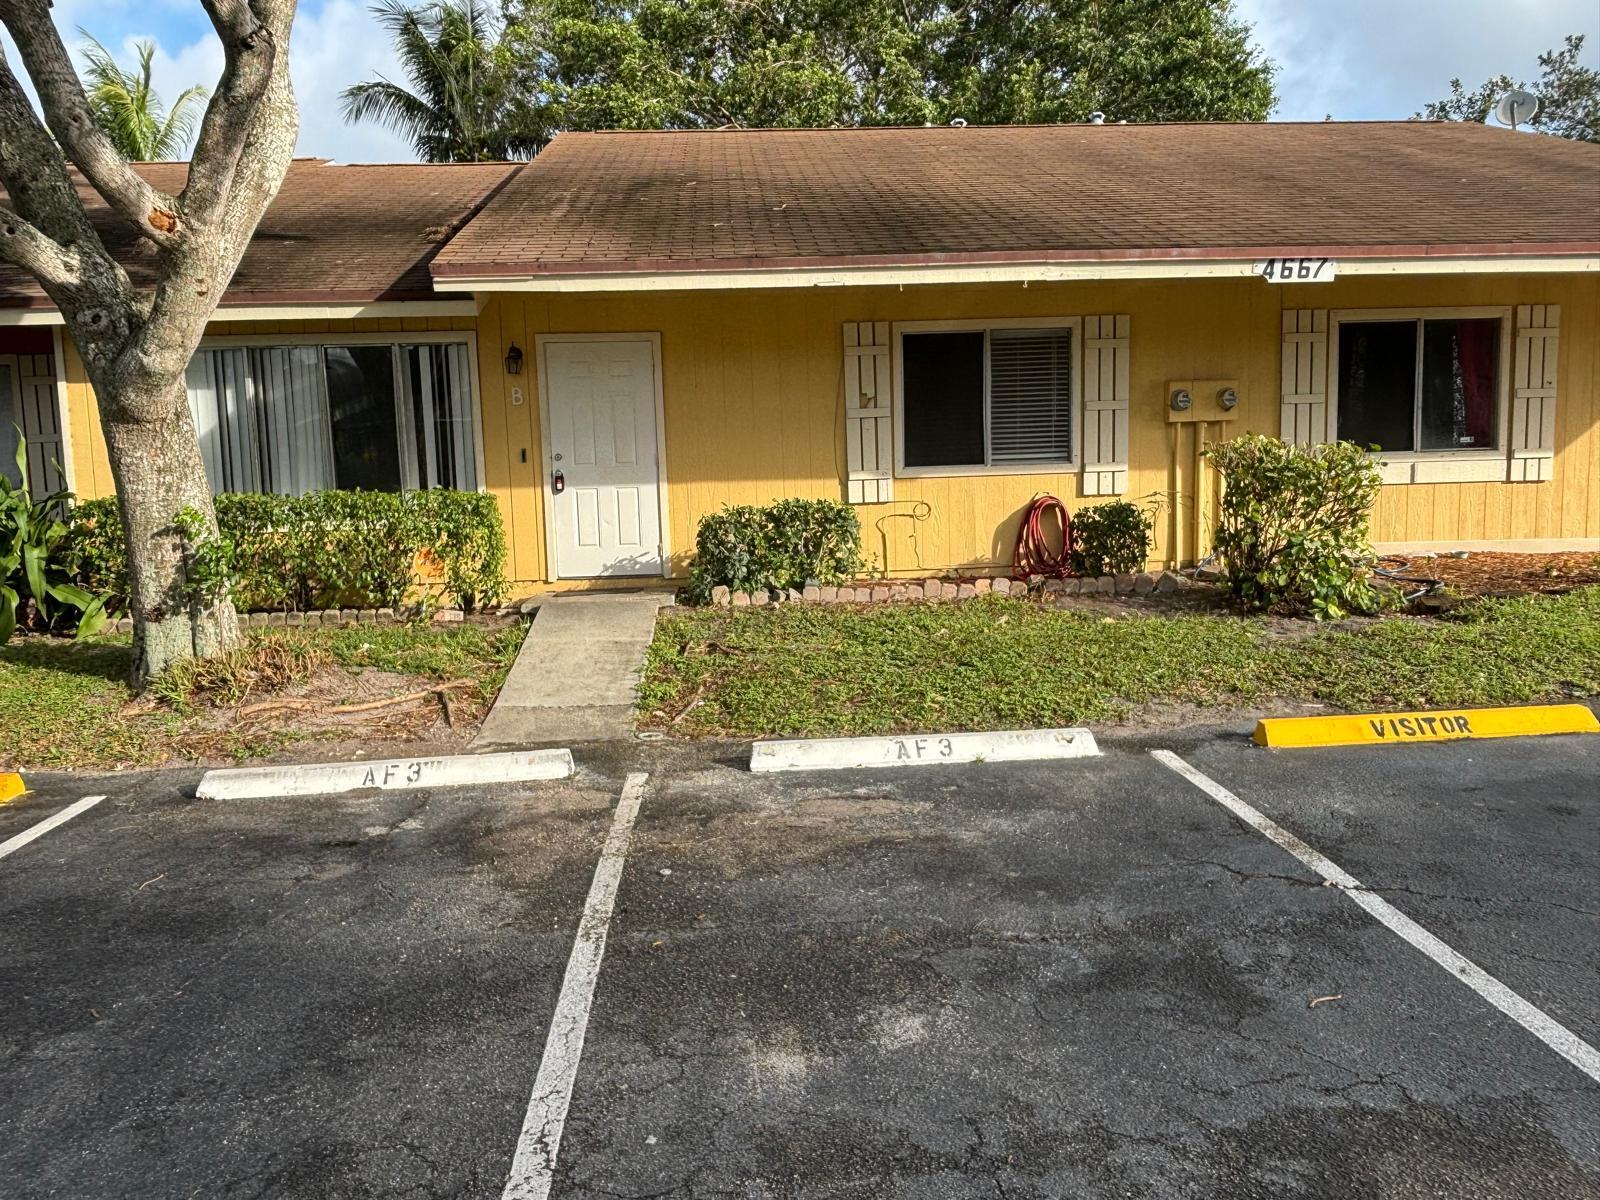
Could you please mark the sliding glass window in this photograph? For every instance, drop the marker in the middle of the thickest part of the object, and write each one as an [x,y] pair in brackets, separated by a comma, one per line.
[378,416]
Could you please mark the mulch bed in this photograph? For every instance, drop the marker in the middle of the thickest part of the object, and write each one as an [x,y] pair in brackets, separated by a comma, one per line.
[1492,573]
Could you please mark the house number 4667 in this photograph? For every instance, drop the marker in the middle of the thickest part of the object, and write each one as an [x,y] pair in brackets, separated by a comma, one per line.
[1296,270]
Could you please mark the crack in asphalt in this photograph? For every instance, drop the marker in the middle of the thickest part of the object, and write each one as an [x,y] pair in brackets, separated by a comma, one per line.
[1381,889]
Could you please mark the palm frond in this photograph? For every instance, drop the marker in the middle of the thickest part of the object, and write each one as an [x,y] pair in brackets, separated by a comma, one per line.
[128,108]
[459,105]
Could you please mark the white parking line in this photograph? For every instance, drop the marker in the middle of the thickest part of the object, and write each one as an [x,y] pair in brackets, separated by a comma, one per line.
[534,1165]
[49,823]
[1549,1031]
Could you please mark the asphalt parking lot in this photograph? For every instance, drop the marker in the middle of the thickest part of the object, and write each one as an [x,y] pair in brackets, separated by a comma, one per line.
[1080,979]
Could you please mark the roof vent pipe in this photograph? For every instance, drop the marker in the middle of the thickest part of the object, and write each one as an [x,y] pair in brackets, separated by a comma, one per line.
[1097,118]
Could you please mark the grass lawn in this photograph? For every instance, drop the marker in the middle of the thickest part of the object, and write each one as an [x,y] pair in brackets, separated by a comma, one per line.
[65,704]
[809,671]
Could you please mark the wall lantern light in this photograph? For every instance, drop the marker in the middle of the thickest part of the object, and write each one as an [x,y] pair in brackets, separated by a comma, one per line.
[514,360]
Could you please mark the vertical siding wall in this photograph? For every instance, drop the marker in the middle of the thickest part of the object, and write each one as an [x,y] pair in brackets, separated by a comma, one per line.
[752,386]
[753,392]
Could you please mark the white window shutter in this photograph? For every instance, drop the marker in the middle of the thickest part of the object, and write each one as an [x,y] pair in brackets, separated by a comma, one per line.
[1305,376]
[1105,405]
[1533,393]
[868,413]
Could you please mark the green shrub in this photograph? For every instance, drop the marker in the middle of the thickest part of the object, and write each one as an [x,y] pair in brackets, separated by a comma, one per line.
[784,545]
[35,562]
[1293,534]
[336,549]
[1110,539]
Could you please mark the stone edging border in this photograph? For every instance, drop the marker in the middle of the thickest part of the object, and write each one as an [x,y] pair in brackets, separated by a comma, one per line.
[882,591]
[324,618]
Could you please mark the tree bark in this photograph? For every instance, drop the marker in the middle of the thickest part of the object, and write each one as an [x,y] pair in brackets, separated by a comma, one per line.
[159,473]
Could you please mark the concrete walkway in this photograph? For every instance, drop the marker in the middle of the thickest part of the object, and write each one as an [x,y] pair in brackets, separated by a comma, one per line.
[575,675]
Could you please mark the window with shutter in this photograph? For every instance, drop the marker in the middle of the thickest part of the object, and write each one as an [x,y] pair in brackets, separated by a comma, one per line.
[1427,388]
[1030,395]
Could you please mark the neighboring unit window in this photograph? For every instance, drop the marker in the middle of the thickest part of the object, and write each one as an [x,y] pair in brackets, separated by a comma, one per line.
[987,397]
[295,419]
[1419,384]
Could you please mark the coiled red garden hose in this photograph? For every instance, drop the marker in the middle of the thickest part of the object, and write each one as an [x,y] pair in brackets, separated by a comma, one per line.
[1034,554]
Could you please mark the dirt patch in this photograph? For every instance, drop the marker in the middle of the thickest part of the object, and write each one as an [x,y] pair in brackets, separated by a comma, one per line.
[1492,573]
[348,714]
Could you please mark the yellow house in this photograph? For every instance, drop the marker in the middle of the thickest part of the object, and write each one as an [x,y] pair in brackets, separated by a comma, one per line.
[935,324]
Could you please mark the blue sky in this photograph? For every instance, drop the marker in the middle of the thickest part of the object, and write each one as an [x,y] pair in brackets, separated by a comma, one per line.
[1350,58]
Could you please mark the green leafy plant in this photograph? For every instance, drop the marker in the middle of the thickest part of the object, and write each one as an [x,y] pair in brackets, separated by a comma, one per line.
[34,564]
[335,549]
[1293,534]
[1110,539]
[209,573]
[785,545]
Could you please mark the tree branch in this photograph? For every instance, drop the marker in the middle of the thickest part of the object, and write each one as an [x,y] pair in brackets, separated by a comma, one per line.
[251,41]
[37,253]
[67,110]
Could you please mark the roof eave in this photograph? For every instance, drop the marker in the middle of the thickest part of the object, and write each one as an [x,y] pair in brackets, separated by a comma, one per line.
[1001,267]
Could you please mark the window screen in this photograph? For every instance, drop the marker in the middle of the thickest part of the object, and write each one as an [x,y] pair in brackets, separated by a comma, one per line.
[1460,368]
[1030,395]
[943,392]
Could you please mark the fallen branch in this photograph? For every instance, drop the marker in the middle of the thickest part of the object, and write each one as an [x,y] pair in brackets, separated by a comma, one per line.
[694,703]
[294,705]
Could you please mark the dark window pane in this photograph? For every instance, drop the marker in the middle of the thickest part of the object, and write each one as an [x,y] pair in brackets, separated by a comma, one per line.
[366,450]
[1460,363]
[1378,383]
[943,399]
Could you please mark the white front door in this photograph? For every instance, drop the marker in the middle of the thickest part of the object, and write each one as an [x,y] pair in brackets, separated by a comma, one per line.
[603,480]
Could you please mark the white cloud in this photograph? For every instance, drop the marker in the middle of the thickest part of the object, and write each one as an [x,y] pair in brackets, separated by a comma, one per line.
[332,48]
[1368,59]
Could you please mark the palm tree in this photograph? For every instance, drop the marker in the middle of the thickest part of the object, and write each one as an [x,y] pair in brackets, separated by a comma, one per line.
[464,103]
[129,109]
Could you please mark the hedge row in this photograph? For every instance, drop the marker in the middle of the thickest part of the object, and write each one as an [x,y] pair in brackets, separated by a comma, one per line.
[340,549]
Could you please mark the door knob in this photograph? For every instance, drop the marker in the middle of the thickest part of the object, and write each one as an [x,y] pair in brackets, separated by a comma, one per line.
[558,483]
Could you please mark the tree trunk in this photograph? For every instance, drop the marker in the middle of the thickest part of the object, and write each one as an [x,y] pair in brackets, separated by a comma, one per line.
[159,473]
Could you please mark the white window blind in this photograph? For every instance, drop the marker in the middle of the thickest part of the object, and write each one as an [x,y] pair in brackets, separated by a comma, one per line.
[1030,395]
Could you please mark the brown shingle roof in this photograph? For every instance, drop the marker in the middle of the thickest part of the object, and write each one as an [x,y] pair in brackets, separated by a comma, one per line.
[334,234]
[764,198]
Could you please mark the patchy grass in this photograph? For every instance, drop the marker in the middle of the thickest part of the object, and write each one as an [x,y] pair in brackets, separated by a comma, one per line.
[993,664]
[65,704]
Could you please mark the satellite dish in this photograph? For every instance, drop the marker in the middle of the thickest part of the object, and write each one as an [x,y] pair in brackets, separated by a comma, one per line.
[1516,108]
